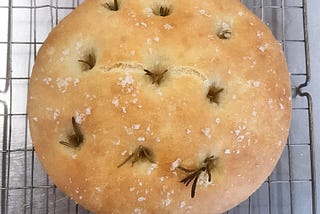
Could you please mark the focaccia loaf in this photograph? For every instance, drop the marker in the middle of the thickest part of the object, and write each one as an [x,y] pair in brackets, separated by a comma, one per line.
[159,106]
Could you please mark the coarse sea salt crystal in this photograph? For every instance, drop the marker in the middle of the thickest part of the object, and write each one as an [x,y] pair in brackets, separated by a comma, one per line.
[136,126]
[156,39]
[132,189]
[254,113]
[263,48]
[175,164]
[47,80]
[63,83]
[79,118]
[144,24]
[127,80]
[227,151]
[124,109]
[56,114]
[141,199]
[237,132]
[76,81]
[206,132]
[152,167]
[88,111]
[166,202]
[256,84]
[115,102]
[188,131]
[259,34]
[240,138]
[281,106]
[116,142]
[168,26]
[182,204]
[137,210]
[141,139]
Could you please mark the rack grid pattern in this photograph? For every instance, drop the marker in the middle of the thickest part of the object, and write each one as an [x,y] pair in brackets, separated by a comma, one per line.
[25,187]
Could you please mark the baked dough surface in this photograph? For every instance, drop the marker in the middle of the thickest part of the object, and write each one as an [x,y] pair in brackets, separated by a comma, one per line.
[117,107]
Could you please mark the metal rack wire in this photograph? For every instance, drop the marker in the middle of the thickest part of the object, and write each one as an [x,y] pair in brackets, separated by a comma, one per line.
[25,188]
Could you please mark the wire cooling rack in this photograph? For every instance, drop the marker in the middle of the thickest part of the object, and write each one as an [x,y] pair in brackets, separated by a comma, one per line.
[25,187]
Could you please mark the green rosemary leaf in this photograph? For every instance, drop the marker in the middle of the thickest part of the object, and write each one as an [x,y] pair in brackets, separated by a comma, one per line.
[90,62]
[113,7]
[193,188]
[140,154]
[206,166]
[74,140]
[156,76]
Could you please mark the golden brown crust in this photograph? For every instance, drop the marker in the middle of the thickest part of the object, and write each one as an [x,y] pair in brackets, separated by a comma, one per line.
[118,108]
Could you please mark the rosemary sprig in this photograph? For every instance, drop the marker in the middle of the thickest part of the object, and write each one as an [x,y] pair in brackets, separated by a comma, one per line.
[164,11]
[90,62]
[155,76]
[113,7]
[213,94]
[224,33]
[140,153]
[76,139]
[207,166]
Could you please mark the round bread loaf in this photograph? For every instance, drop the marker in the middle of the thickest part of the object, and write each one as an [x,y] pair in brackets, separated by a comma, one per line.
[159,106]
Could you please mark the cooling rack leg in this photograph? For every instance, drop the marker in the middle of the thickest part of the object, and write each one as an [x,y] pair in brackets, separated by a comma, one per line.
[4,191]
